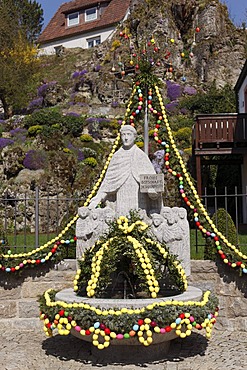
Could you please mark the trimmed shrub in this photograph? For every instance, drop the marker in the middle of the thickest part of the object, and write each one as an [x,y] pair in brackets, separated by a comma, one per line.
[34,130]
[47,116]
[85,138]
[72,124]
[90,161]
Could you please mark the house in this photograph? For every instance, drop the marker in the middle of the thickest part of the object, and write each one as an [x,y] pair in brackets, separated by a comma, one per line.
[221,140]
[82,23]
[241,90]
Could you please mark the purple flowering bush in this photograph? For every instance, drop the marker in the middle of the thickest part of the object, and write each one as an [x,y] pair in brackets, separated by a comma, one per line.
[172,107]
[189,90]
[19,134]
[35,159]
[174,90]
[36,103]
[43,89]
[5,142]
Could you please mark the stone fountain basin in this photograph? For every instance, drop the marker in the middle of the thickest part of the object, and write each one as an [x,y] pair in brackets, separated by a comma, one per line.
[69,296]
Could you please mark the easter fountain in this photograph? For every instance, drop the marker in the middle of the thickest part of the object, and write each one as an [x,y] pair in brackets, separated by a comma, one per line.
[128,279]
[130,290]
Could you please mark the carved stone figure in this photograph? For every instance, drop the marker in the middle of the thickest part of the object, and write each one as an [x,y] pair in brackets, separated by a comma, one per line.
[172,228]
[90,225]
[121,184]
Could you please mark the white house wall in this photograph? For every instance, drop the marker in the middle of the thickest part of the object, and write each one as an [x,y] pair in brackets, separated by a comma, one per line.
[241,99]
[244,187]
[79,41]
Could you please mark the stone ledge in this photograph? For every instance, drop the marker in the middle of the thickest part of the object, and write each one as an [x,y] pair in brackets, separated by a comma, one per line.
[69,296]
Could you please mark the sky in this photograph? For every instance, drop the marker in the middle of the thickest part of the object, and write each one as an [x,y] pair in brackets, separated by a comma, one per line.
[237,9]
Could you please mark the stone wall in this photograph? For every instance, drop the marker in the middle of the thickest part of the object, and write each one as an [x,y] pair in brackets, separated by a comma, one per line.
[19,307]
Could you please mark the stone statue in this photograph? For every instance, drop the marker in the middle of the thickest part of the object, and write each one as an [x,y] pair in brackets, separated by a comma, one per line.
[120,193]
[121,184]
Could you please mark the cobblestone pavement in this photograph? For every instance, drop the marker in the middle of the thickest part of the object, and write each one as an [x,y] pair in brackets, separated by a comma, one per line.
[32,350]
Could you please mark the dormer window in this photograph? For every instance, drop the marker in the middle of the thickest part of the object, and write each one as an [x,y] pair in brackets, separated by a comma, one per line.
[90,14]
[73,19]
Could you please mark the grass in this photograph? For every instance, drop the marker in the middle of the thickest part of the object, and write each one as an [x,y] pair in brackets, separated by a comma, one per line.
[197,252]
[16,244]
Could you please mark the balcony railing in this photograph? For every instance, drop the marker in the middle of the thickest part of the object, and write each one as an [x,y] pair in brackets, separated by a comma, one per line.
[227,132]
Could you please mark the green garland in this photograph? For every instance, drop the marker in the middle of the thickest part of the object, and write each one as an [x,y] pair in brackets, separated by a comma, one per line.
[117,253]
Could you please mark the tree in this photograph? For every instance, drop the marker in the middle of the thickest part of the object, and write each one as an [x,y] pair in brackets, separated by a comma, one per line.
[25,15]
[18,55]
[215,101]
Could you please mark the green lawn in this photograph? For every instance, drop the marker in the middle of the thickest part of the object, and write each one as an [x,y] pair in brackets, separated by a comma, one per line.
[29,241]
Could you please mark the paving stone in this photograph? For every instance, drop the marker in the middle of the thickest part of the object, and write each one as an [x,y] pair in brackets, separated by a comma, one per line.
[31,349]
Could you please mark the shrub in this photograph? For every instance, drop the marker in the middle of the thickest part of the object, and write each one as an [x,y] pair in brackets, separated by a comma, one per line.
[226,226]
[86,138]
[34,130]
[140,144]
[5,142]
[35,159]
[72,124]
[47,116]
[174,90]
[183,136]
[90,161]
[43,89]
[88,152]
[36,103]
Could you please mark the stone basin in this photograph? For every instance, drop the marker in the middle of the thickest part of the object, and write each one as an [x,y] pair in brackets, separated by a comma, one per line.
[69,296]
[118,349]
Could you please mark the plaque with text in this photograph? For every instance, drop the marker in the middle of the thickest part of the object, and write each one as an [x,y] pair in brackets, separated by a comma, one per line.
[155,182]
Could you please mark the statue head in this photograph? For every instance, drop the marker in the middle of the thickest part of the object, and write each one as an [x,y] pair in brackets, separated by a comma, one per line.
[128,135]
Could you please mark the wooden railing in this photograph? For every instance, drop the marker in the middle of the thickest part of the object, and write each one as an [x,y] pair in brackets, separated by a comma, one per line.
[211,131]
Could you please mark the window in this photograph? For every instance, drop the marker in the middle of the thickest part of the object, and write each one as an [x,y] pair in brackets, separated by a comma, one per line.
[93,42]
[90,14]
[73,19]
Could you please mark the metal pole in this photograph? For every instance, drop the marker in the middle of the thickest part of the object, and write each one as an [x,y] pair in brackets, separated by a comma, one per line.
[37,217]
[146,138]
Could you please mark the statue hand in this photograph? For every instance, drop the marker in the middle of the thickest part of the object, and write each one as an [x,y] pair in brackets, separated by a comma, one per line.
[94,202]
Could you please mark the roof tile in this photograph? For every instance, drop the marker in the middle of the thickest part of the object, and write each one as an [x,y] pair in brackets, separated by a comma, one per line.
[56,28]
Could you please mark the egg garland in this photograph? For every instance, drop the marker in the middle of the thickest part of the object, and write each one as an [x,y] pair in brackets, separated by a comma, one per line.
[29,259]
[151,53]
[136,243]
[215,235]
[67,316]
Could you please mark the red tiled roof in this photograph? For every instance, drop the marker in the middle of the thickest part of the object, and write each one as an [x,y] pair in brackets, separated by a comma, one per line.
[56,28]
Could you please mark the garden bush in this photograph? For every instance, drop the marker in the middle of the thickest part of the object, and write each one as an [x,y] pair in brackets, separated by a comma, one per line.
[34,130]
[86,138]
[90,161]
[42,117]
[35,159]
[226,226]
[88,152]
